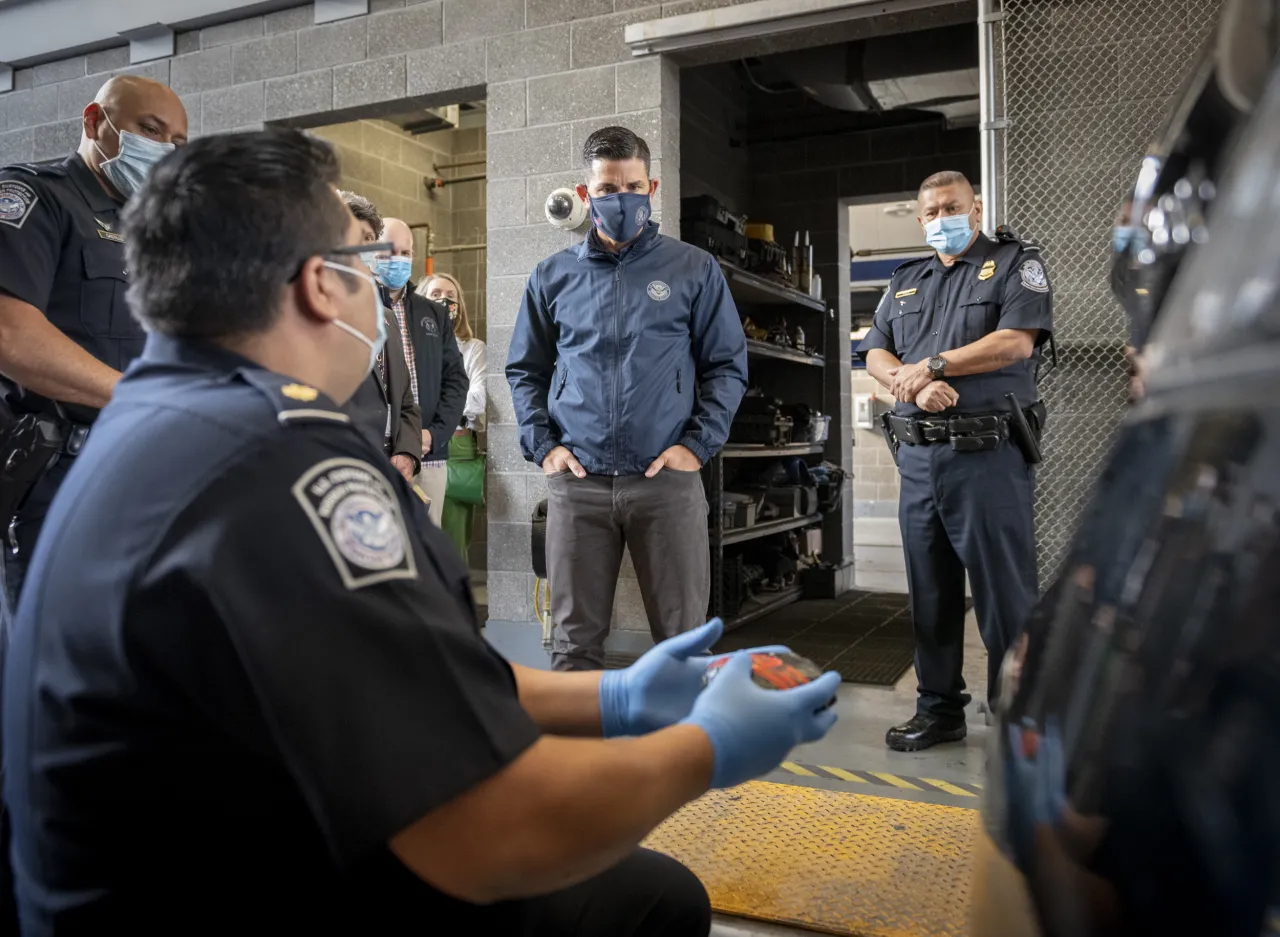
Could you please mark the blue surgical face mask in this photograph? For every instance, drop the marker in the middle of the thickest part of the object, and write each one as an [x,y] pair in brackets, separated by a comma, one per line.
[138,155]
[375,344]
[1121,237]
[949,234]
[394,271]
[621,217]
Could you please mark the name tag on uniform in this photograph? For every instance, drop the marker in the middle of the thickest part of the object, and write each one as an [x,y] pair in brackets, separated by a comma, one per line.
[902,293]
[111,236]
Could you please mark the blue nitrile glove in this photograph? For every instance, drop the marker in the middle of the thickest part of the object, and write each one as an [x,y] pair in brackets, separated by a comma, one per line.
[1035,791]
[753,729]
[658,690]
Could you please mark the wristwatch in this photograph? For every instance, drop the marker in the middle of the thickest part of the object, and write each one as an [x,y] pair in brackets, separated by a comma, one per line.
[937,367]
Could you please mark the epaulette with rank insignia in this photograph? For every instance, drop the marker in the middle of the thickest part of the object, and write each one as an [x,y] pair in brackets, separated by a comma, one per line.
[295,403]
[910,262]
[1006,235]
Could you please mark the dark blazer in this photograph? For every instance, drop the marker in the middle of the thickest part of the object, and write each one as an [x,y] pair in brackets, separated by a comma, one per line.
[368,405]
[442,377]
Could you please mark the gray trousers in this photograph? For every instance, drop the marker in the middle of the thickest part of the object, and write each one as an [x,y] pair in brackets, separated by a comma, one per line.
[662,521]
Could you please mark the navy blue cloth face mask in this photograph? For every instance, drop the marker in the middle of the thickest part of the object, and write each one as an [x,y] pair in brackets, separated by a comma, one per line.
[622,216]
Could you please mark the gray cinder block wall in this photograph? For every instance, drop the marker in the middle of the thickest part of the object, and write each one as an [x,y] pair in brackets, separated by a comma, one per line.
[551,71]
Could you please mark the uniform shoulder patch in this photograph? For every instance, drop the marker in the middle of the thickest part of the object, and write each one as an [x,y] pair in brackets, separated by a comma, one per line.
[17,199]
[354,510]
[1033,276]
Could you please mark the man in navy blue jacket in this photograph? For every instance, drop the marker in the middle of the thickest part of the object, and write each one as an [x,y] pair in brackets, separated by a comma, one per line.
[626,366]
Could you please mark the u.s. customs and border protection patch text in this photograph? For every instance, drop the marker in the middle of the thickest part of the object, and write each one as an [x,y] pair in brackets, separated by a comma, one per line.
[354,510]
[16,201]
[1033,276]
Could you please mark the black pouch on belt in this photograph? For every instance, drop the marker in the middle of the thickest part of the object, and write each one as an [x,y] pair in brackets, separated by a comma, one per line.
[1020,431]
[27,451]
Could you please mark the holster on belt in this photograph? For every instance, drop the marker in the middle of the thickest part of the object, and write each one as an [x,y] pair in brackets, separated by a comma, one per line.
[886,427]
[31,446]
[1020,430]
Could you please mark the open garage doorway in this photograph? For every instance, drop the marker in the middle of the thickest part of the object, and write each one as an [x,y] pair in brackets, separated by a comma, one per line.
[427,167]
[786,147]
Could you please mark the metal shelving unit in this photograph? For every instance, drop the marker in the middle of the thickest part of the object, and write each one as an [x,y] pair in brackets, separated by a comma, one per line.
[749,289]
[740,451]
[765,350]
[762,605]
[742,534]
[759,291]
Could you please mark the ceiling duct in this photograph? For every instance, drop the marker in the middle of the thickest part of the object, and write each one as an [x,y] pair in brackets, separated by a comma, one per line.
[931,70]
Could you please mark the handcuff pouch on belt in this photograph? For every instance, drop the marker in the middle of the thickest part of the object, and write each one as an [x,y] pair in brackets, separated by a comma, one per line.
[30,448]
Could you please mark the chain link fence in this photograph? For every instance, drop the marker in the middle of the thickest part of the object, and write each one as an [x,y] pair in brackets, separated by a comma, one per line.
[1086,86]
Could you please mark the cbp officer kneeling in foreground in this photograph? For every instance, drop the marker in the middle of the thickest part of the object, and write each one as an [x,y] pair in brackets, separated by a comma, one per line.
[247,691]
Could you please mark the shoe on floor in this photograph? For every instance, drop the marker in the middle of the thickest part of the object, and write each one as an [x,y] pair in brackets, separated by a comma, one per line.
[921,732]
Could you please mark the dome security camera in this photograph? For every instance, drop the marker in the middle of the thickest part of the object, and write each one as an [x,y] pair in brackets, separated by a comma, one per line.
[565,210]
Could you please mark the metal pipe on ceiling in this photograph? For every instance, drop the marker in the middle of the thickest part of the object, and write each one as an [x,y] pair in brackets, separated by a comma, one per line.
[440,183]
[991,124]
[466,162]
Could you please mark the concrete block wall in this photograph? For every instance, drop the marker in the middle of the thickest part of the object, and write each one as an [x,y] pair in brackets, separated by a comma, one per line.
[387,166]
[713,117]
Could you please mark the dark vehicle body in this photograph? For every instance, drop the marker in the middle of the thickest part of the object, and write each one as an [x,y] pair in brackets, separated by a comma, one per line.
[1134,776]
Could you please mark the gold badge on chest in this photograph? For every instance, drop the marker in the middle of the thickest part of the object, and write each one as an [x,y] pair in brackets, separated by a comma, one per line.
[988,270]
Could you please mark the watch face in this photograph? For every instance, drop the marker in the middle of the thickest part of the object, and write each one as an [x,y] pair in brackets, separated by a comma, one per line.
[937,365]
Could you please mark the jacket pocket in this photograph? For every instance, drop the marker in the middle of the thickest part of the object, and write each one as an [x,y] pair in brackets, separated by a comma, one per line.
[906,322]
[979,318]
[103,310]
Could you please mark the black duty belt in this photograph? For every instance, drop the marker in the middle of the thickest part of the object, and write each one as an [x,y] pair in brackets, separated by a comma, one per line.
[979,432]
[917,431]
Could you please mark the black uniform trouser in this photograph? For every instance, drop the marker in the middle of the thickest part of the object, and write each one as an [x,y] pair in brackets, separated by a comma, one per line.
[645,895]
[963,511]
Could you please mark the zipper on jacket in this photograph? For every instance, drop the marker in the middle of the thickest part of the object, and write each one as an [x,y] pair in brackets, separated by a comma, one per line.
[617,360]
[564,378]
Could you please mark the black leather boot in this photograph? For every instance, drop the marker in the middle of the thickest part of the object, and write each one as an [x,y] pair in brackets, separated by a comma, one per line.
[922,731]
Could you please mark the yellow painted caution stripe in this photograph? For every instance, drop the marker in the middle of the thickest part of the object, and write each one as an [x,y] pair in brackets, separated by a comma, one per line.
[884,779]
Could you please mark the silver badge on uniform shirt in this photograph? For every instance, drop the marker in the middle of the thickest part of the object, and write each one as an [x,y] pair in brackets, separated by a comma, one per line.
[16,201]
[354,509]
[1034,277]
[658,291]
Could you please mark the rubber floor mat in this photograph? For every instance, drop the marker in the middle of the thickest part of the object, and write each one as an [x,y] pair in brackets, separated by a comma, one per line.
[866,636]
[829,861]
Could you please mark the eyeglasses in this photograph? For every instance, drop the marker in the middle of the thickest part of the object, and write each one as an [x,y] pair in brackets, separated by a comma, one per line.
[368,254]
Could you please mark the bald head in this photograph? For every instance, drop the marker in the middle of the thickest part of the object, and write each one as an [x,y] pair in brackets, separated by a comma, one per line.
[131,104]
[398,233]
